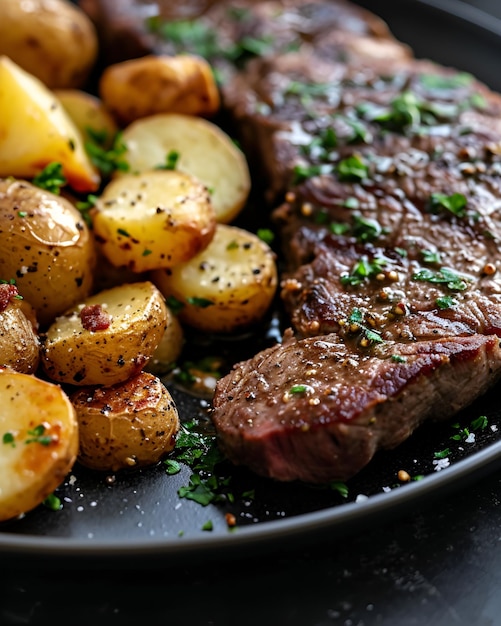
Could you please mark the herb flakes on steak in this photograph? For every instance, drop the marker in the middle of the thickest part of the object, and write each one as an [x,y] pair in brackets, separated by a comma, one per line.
[387,175]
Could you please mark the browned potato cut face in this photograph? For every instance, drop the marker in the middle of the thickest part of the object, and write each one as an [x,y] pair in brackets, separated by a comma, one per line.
[38,438]
[129,425]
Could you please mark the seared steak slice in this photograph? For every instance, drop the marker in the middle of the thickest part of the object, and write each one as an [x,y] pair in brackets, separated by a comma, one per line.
[317,409]
[228,35]
[389,178]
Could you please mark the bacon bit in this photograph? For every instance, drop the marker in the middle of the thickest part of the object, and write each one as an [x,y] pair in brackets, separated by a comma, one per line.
[231,520]
[94,317]
[489,269]
[7,293]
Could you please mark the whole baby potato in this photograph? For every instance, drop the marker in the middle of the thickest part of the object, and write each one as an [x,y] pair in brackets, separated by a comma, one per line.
[46,247]
[127,425]
[19,340]
[159,84]
[52,39]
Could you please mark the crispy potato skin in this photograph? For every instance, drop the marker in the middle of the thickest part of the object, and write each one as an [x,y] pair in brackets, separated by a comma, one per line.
[77,353]
[159,84]
[129,425]
[52,39]
[46,247]
[41,423]
[19,340]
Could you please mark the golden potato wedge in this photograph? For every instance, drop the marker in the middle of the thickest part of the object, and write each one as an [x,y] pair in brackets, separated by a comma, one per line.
[52,39]
[129,425]
[35,130]
[107,338]
[38,441]
[203,150]
[159,84]
[88,112]
[19,340]
[154,219]
[228,287]
[46,247]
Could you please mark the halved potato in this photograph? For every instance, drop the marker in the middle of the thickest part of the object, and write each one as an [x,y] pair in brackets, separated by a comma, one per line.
[153,84]
[204,150]
[88,112]
[107,338]
[46,246]
[169,349]
[227,287]
[19,341]
[152,220]
[35,130]
[39,441]
[131,424]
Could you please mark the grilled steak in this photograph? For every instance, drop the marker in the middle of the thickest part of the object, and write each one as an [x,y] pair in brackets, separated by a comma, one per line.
[390,229]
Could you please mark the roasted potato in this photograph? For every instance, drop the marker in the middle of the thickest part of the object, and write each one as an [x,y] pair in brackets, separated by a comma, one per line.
[35,130]
[228,287]
[152,220]
[128,425]
[19,340]
[89,114]
[52,39]
[39,441]
[203,150]
[46,247]
[107,338]
[169,349]
[159,84]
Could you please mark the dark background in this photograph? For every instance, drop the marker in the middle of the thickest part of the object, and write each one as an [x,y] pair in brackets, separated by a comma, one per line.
[438,565]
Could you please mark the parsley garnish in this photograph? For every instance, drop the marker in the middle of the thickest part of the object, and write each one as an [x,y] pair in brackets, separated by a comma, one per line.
[363,270]
[170,161]
[37,435]
[455,203]
[110,160]
[51,178]
[203,303]
[353,168]
[444,276]
[356,321]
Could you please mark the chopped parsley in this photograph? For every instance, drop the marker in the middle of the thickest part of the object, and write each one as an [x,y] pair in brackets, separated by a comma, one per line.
[357,324]
[171,161]
[455,203]
[364,269]
[107,160]
[444,276]
[51,178]
[353,168]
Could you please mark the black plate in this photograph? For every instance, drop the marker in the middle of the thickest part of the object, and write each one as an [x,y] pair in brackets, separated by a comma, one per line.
[141,515]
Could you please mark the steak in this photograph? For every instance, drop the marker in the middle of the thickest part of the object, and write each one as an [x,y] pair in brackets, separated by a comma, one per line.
[386,173]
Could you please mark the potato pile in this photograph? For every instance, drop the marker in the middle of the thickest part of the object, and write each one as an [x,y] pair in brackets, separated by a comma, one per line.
[116,239]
